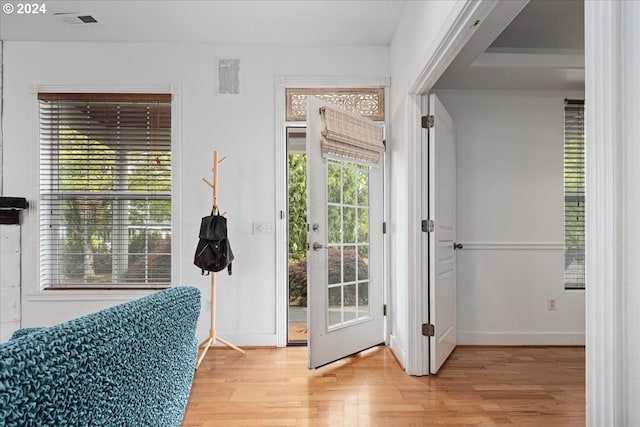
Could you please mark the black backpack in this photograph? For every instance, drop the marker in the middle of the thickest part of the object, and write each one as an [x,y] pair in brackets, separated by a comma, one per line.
[213,252]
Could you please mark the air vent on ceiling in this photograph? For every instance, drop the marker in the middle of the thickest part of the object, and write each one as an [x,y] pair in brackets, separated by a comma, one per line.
[87,19]
[77,18]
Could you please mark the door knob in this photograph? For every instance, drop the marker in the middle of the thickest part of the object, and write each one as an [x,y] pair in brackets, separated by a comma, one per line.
[317,246]
[457,245]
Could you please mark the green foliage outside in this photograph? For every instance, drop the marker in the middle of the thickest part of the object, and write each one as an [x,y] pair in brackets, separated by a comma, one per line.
[297,206]
[87,169]
[348,222]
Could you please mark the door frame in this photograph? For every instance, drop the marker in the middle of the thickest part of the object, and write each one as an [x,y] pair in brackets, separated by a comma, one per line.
[605,390]
[460,27]
[281,205]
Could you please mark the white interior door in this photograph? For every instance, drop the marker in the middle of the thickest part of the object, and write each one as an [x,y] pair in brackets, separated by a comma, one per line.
[442,259]
[345,256]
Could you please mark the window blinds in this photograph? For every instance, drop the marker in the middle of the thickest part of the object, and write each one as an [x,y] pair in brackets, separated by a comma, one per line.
[105,190]
[350,137]
[574,194]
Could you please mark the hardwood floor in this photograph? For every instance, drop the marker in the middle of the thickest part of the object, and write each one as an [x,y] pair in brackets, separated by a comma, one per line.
[478,386]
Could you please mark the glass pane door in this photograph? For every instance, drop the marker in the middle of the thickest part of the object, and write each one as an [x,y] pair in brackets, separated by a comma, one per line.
[348,242]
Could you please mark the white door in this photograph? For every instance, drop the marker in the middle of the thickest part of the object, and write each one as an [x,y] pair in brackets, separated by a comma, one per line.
[344,263]
[442,259]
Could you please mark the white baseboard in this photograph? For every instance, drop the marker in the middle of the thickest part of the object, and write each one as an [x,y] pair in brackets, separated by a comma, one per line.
[520,338]
[398,351]
[240,340]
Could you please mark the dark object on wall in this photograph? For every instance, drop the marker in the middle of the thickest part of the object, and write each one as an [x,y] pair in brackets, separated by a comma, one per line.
[10,209]
[213,252]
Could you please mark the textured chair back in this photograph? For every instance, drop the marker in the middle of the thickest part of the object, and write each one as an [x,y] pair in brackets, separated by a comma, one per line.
[128,365]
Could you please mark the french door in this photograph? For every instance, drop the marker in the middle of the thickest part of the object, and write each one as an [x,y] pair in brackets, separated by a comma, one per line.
[345,250]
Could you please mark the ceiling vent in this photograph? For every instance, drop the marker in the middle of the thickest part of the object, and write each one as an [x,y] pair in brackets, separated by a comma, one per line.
[72,18]
[87,19]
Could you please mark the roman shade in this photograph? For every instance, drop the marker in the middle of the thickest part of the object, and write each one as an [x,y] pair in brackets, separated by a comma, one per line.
[348,136]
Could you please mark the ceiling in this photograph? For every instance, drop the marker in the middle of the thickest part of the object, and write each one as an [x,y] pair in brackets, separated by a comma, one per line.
[520,45]
[308,22]
[536,45]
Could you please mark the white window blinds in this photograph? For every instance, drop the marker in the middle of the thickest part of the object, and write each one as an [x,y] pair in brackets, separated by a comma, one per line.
[105,190]
[351,137]
[574,194]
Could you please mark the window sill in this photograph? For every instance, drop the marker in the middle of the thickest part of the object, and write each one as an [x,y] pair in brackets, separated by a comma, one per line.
[88,295]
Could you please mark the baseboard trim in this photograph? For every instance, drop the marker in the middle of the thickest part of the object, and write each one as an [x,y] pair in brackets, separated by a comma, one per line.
[398,352]
[244,340]
[521,338]
[510,246]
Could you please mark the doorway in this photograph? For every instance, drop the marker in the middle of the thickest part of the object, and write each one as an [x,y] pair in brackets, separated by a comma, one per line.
[297,235]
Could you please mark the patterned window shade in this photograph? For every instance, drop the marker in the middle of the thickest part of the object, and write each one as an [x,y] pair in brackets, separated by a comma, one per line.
[350,137]
[105,190]
[574,194]
[368,102]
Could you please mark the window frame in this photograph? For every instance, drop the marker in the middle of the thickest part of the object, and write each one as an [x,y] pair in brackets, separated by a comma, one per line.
[35,292]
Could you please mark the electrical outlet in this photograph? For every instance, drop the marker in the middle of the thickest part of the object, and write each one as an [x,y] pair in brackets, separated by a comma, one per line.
[551,304]
[262,227]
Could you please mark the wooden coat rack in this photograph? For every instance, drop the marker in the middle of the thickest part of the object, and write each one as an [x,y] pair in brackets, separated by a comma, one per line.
[211,340]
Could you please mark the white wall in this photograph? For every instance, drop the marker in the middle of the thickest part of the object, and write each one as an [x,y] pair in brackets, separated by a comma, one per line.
[240,127]
[419,31]
[510,219]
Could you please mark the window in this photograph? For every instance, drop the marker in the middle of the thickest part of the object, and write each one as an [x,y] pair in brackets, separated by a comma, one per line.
[105,190]
[574,191]
[368,102]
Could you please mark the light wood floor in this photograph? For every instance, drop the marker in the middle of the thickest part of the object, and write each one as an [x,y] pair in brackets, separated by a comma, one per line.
[502,386]
[297,332]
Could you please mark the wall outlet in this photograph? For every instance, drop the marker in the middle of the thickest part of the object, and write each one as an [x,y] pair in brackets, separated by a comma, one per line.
[551,304]
[262,227]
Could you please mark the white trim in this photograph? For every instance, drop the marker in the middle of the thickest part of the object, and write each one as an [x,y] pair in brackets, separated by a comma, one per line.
[332,82]
[454,33]
[417,351]
[176,182]
[604,203]
[88,295]
[553,58]
[630,85]
[397,351]
[386,238]
[281,215]
[520,338]
[172,89]
[31,252]
[281,83]
[513,246]
[247,340]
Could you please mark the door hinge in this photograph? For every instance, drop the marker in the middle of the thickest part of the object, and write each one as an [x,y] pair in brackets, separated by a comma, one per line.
[428,225]
[427,122]
[428,330]
[384,310]
[384,228]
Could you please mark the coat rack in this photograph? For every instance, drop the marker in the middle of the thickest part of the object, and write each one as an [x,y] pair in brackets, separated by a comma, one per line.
[211,340]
